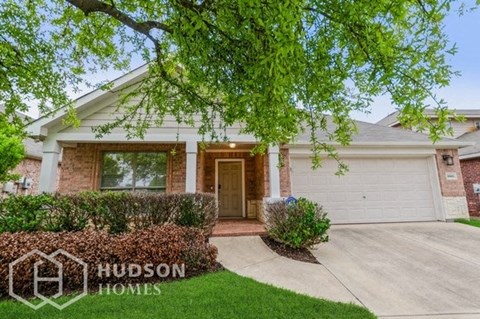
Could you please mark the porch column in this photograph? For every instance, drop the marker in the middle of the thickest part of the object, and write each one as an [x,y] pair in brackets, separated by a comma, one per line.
[191,173]
[49,168]
[274,171]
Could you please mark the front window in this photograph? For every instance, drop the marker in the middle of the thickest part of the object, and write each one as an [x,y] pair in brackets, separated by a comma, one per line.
[134,171]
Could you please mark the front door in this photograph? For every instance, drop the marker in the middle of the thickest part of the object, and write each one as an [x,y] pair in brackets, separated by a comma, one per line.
[230,190]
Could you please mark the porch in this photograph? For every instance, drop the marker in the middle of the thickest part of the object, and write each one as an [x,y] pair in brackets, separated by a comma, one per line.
[241,227]
[241,181]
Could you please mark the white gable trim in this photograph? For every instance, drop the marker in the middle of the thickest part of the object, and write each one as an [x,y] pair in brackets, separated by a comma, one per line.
[40,127]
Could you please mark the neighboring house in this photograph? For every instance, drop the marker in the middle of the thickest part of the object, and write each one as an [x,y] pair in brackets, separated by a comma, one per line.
[28,168]
[395,175]
[471,123]
[466,131]
[470,163]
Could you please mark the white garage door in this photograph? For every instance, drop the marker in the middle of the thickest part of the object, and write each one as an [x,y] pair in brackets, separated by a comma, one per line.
[374,190]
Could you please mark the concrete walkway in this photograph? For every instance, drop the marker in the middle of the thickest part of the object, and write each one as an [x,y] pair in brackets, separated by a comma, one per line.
[398,271]
[250,257]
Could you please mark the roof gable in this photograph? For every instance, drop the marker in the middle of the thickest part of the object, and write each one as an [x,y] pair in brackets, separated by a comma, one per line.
[39,128]
[472,150]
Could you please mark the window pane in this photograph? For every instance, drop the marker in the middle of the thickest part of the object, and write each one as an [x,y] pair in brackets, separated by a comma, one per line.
[117,170]
[146,170]
[151,169]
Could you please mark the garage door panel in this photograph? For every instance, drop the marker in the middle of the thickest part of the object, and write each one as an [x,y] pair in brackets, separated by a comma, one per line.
[374,190]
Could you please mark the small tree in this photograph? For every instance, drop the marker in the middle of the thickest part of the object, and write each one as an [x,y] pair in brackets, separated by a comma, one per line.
[11,148]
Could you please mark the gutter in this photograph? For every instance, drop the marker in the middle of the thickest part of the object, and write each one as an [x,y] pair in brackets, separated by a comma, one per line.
[438,145]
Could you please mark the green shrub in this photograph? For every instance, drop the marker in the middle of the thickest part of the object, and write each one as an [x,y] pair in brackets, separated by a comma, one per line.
[66,213]
[194,210]
[167,244]
[24,213]
[300,224]
[115,212]
[189,214]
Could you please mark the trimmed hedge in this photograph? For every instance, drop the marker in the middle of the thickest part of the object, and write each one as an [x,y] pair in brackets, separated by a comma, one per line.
[298,224]
[116,212]
[167,244]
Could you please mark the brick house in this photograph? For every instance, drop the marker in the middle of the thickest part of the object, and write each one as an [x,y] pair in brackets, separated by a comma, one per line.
[394,175]
[466,131]
[28,169]
[470,163]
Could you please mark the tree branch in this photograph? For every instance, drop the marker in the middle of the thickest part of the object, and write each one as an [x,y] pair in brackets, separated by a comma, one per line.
[89,6]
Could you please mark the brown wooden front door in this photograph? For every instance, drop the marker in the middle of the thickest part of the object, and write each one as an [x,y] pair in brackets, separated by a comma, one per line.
[230,190]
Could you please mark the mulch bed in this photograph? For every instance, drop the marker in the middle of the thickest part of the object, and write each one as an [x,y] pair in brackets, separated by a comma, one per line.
[301,254]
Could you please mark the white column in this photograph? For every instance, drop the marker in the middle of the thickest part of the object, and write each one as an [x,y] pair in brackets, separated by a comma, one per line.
[274,171]
[49,169]
[191,174]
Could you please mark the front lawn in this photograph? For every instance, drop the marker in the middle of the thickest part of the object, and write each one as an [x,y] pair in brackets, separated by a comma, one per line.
[216,295]
[471,222]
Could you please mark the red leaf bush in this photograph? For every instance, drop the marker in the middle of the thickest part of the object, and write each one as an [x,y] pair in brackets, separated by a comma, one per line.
[156,245]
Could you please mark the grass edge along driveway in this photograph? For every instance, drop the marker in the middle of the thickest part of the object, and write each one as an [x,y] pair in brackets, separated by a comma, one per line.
[217,295]
[471,222]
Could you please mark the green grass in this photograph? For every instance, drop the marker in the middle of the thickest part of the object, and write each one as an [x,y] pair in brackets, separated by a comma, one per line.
[472,222]
[220,295]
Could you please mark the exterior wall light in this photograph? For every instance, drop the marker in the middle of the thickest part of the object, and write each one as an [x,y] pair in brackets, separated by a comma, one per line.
[232,145]
[448,159]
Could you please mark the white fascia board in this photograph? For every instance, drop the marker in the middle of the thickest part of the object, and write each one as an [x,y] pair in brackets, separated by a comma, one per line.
[39,128]
[392,124]
[149,138]
[469,156]
[370,152]
[444,144]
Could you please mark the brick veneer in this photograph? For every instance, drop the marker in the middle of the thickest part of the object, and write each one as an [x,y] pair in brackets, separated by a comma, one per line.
[285,186]
[82,165]
[200,171]
[450,188]
[30,168]
[82,168]
[471,175]
[208,172]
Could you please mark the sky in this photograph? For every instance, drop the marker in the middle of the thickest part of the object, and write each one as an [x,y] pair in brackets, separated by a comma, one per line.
[463,91]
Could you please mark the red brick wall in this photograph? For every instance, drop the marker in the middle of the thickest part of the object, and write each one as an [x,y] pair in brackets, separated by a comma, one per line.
[208,174]
[201,171]
[261,175]
[82,168]
[81,165]
[450,188]
[266,176]
[285,186]
[471,175]
[30,168]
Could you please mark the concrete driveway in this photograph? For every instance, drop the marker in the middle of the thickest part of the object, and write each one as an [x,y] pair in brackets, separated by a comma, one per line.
[411,270]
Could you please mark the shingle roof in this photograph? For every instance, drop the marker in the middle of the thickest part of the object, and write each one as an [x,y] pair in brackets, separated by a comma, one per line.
[369,133]
[392,117]
[470,151]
